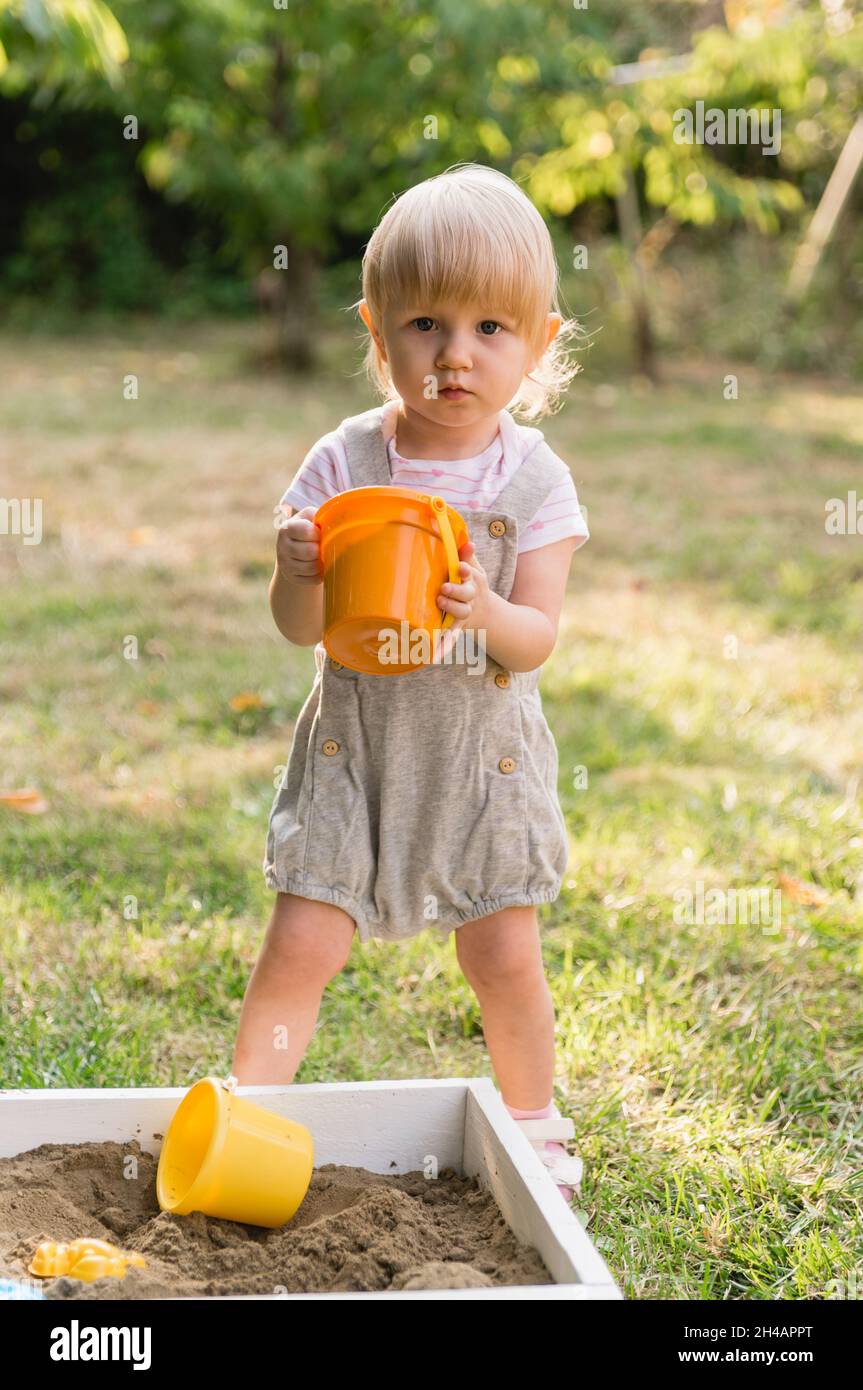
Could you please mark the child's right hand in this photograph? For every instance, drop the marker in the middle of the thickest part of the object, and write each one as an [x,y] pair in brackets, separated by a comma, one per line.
[298,548]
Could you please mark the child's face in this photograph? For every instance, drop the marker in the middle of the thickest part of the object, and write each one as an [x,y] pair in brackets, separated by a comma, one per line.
[430,346]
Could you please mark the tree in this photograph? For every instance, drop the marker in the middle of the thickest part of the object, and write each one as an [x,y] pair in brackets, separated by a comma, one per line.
[614,135]
[296,127]
[300,126]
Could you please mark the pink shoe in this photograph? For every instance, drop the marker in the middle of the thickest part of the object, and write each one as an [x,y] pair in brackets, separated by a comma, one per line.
[566,1169]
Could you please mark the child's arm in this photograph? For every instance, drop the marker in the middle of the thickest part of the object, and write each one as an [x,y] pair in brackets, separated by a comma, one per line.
[297,587]
[298,610]
[520,632]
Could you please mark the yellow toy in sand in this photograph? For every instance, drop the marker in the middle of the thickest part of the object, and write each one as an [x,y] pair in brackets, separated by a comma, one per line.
[227,1157]
[87,1258]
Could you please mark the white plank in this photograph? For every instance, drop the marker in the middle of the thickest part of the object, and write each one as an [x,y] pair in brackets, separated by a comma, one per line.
[501,1156]
[385,1126]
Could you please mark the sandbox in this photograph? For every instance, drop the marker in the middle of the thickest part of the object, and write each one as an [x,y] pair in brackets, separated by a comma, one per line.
[421,1189]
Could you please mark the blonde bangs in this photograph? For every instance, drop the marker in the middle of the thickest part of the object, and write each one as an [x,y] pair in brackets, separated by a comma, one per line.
[445,251]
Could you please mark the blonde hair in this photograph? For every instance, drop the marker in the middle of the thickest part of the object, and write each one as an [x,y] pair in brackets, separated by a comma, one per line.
[466,234]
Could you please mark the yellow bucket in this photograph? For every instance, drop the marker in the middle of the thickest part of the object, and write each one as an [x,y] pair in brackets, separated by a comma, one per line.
[227,1157]
[386,552]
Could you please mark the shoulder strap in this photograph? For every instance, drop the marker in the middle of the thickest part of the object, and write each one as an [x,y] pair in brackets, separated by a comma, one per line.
[368,461]
[530,485]
[524,494]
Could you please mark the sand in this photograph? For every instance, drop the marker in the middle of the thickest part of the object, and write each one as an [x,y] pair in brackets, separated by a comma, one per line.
[355,1230]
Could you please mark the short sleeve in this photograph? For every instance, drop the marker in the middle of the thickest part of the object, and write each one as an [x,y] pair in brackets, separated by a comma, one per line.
[561,515]
[323,473]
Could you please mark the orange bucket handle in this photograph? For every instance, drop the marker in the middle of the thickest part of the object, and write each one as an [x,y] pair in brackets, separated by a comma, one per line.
[439,507]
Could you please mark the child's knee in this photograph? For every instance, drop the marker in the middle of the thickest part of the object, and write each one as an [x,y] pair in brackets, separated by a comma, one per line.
[504,961]
[308,937]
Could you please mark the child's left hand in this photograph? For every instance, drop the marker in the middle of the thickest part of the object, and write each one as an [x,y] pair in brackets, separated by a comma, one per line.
[467,600]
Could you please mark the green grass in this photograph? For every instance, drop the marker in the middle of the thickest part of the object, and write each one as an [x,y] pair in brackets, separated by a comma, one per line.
[707,679]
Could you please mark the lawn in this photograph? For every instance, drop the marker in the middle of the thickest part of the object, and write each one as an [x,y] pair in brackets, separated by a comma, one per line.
[705,693]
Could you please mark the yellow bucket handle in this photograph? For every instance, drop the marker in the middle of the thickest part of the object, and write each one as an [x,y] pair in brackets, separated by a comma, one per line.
[439,507]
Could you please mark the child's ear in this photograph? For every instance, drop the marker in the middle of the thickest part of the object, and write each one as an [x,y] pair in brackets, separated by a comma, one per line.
[554,321]
[552,327]
[366,315]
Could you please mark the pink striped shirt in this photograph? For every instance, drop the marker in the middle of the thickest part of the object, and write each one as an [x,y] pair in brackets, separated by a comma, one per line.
[470,484]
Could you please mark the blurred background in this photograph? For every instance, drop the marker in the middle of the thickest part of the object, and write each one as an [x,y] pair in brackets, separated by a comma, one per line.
[155,154]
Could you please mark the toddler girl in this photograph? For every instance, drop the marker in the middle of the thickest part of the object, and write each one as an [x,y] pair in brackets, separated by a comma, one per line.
[429,800]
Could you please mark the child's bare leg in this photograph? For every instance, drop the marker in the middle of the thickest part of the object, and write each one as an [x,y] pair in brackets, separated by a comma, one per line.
[502,962]
[306,944]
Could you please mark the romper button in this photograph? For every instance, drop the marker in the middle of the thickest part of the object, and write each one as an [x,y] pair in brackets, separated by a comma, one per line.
[501,679]
[337,665]
[330,746]
[506,764]
[497,528]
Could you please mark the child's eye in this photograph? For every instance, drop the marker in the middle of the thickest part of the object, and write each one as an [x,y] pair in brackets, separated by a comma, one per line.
[491,324]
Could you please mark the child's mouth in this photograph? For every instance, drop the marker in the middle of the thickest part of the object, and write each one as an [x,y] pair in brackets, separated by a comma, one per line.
[454,393]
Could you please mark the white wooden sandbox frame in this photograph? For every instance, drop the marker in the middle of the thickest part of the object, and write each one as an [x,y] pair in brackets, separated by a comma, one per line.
[385,1126]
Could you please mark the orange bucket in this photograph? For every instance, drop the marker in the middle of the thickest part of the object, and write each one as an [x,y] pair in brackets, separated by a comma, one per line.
[386,552]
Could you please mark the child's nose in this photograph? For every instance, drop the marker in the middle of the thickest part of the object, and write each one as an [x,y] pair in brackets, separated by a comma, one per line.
[455,354]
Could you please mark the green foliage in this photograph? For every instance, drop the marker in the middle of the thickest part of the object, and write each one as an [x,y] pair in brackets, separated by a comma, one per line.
[601,129]
[87,252]
[83,233]
[297,127]
[54,45]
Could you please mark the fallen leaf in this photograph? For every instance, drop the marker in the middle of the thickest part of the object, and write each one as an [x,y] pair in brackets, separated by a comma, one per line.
[809,894]
[27,800]
[247,699]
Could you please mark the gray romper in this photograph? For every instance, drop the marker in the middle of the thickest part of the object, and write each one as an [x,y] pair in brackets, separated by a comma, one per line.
[427,799]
